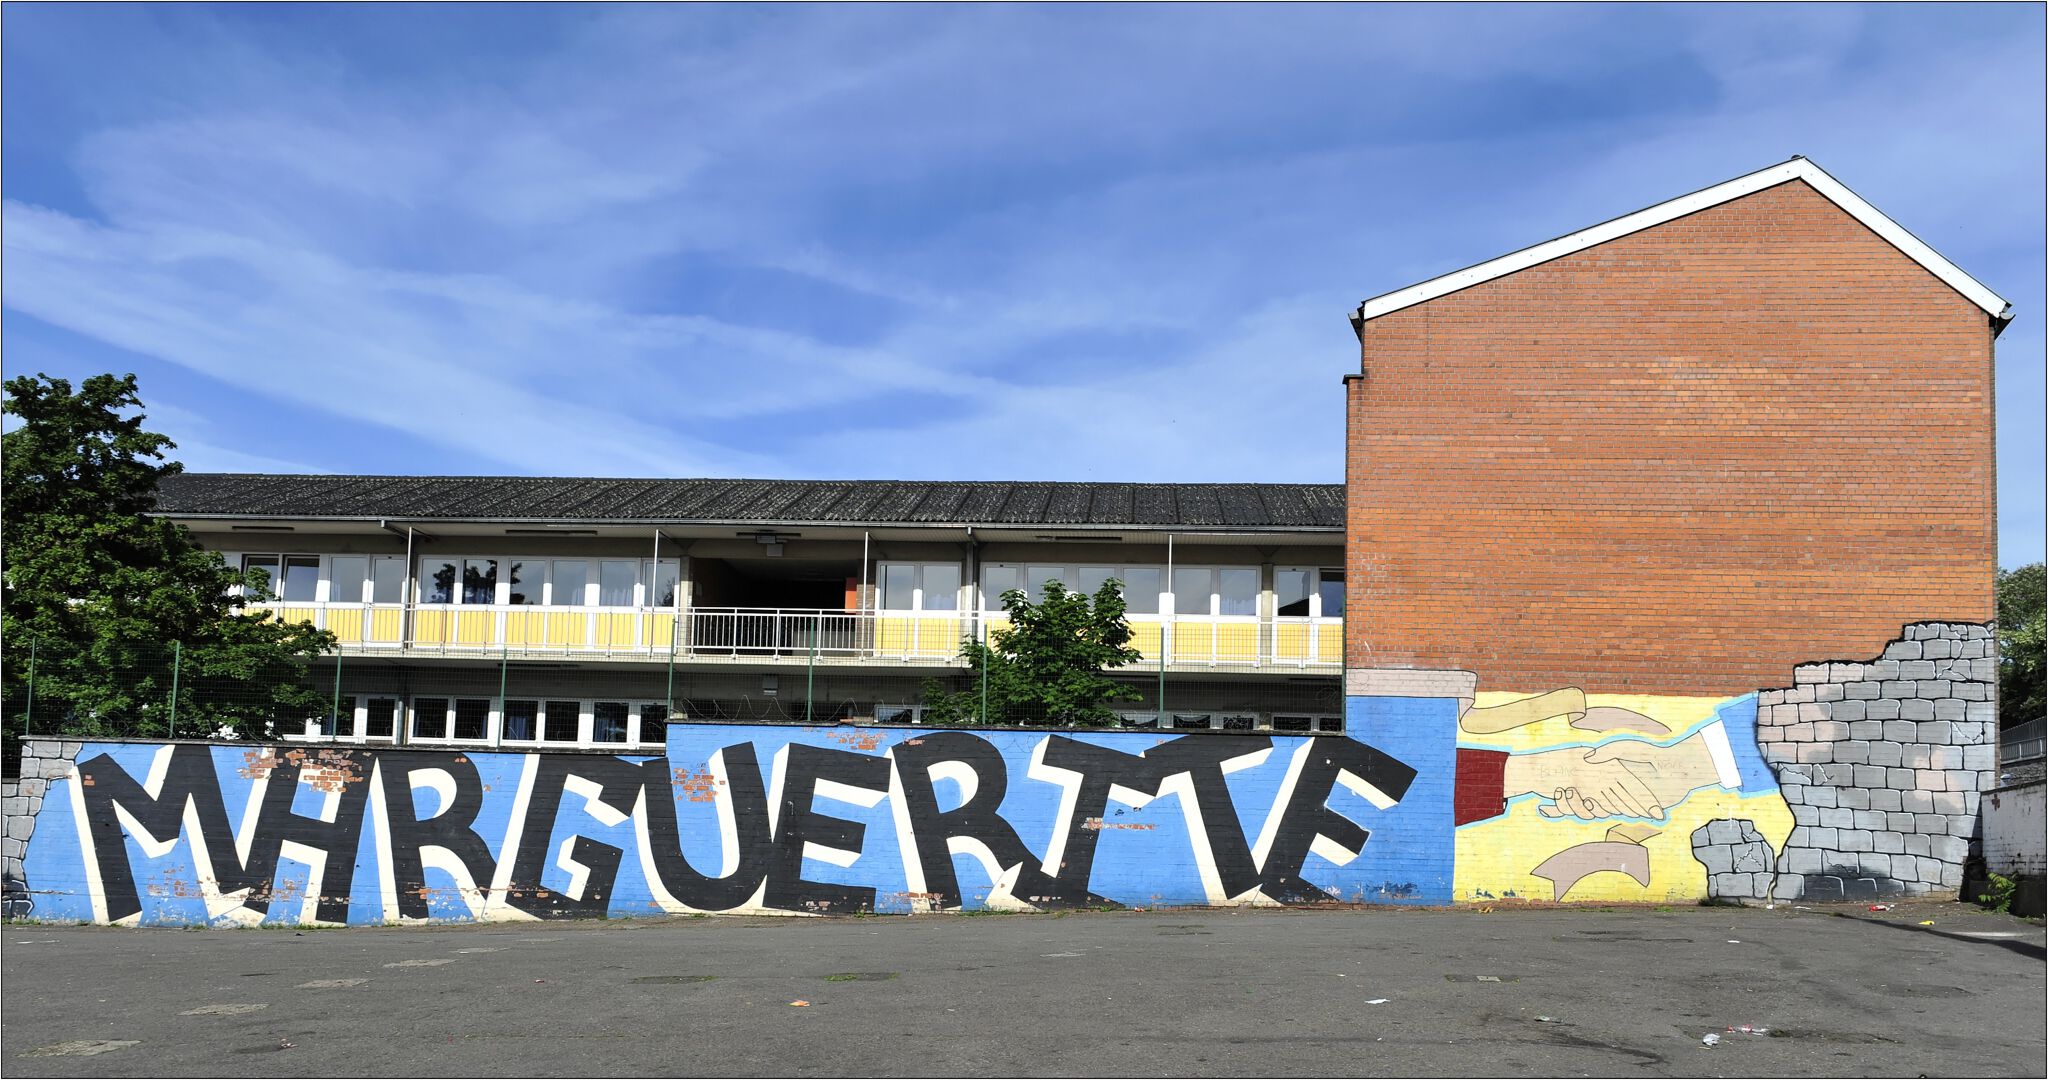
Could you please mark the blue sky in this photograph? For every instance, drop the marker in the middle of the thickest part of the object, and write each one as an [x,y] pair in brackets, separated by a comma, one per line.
[966,242]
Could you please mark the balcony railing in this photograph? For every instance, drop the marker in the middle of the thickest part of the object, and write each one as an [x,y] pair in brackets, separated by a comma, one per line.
[924,638]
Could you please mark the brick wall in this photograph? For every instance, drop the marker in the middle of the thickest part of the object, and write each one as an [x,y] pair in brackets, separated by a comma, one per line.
[1683,461]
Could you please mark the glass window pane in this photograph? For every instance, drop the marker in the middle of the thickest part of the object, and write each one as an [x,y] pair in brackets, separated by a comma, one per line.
[615,583]
[995,581]
[265,563]
[1238,591]
[1035,578]
[301,578]
[388,586]
[1090,578]
[480,581]
[941,587]
[340,719]
[522,721]
[379,717]
[430,718]
[1290,595]
[1142,589]
[1191,588]
[525,584]
[898,582]
[1332,589]
[345,574]
[608,721]
[665,585]
[472,718]
[653,723]
[437,582]
[562,720]
[571,575]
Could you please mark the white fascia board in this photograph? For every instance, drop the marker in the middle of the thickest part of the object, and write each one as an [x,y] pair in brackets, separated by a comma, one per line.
[1795,169]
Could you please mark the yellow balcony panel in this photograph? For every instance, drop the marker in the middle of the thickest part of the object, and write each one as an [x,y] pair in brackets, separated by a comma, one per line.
[476,627]
[1293,641]
[431,626]
[568,629]
[661,631]
[526,627]
[386,623]
[615,630]
[346,624]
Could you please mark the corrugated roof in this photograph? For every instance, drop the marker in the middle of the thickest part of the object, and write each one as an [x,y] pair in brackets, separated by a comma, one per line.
[766,502]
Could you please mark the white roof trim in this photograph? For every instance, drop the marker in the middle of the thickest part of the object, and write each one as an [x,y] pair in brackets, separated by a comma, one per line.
[1798,168]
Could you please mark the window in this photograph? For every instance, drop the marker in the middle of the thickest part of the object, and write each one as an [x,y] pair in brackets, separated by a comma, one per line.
[1237,591]
[380,716]
[608,722]
[615,583]
[562,721]
[1192,586]
[480,581]
[524,584]
[663,575]
[920,586]
[341,720]
[653,723]
[1331,592]
[346,575]
[1291,723]
[1191,720]
[387,581]
[301,579]
[472,718]
[437,582]
[1141,583]
[430,718]
[567,589]
[522,721]
[1305,593]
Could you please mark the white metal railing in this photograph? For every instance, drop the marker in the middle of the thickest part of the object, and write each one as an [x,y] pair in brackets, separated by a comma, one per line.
[1222,643]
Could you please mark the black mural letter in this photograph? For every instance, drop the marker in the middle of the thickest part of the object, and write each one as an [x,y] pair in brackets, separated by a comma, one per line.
[1100,769]
[449,829]
[742,777]
[797,824]
[978,819]
[188,779]
[1308,814]
[1202,758]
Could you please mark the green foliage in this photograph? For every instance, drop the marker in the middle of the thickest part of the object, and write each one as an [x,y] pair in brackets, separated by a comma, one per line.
[97,591]
[2022,645]
[1046,668]
[2000,897]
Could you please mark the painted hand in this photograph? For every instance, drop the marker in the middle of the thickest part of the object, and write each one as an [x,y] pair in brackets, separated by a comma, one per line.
[1580,786]
[1669,772]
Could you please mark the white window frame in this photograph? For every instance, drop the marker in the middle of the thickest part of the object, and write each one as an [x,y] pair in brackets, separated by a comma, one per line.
[1070,576]
[917,592]
[1315,593]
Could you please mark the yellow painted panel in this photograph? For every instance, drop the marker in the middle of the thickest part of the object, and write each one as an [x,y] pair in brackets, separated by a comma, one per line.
[1193,642]
[296,613]
[526,627]
[615,630]
[571,628]
[347,623]
[662,631]
[1330,642]
[1145,639]
[1293,640]
[430,626]
[894,634]
[387,622]
[476,627]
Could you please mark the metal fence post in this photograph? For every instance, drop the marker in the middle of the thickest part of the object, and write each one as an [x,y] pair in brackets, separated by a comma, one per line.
[29,709]
[811,671]
[177,664]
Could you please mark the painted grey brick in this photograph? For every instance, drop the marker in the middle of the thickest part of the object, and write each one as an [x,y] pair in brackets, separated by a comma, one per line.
[1886,709]
[1916,710]
[1723,831]
[1884,798]
[1799,733]
[1735,885]
[1863,729]
[1890,843]
[1902,650]
[1949,708]
[1800,861]
[1809,673]
[1854,753]
[1934,825]
[1935,731]
[1917,801]
[1930,779]
[1860,691]
[1962,779]
[1950,849]
[1854,798]
[1838,818]
[1981,756]
[1916,844]
[1799,695]
[1824,796]
[1917,669]
[1886,753]
[1715,857]
[1944,757]
[1905,867]
[1932,689]
[1848,710]
[1828,692]
[1981,712]
[1804,814]
[1869,776]
[1948,802]
[1777,752]
[1882,670]
[1917,757]
[1855,840]
[1900,731]
[1870,819]
[1824,837]
[1971,650]
[1811,753]
[1895,690]
[1830,731]
[1899,821]
[1973,691]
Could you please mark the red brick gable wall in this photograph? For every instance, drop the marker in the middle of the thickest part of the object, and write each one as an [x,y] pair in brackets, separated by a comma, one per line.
[1682,461]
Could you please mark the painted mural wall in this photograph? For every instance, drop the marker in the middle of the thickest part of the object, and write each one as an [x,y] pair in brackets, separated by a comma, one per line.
[1439,792]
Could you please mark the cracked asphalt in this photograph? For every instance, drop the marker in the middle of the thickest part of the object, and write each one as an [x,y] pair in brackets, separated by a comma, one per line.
[1842,990]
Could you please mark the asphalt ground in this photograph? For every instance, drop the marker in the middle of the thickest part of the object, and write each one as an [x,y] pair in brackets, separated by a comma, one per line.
[1509,992]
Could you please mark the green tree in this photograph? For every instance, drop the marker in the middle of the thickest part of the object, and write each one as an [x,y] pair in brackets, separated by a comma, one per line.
[1047,666]
[97,590]
[2022,641]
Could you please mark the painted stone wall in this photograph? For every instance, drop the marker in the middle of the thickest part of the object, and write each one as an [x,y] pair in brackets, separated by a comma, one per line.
[1861,780]
[732,818]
